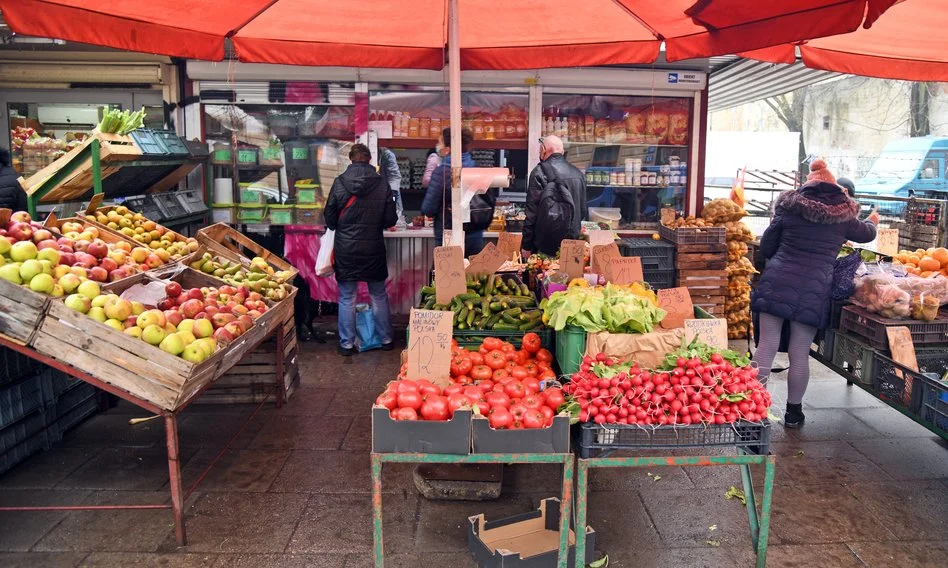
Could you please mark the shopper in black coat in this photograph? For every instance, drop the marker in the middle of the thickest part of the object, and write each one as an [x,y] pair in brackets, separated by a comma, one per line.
[360,207]
[12,195]
[535,239]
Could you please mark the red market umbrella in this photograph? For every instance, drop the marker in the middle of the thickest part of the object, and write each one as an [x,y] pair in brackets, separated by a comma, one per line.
[516,34]
[907,43]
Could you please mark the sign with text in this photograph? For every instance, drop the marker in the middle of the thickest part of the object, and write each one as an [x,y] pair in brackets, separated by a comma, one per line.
[449,273]
[487,261]
[572,258]
[598,238]
[668,215]
[711,331]
[429,345]
[509,244]
[677,303]
[887,241]
[626,270]
[602,256]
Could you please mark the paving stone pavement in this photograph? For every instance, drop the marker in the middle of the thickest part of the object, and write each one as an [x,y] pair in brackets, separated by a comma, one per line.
[860,485]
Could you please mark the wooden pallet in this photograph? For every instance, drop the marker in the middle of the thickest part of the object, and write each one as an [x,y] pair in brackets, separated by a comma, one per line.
[694,235]
[701,261]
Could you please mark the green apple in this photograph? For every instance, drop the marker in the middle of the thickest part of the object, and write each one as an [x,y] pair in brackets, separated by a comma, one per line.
[23,250]
[137,308]
[78,303]
[42,283]
[193,353]
[90,289]
[58,291]
[11,272]
[172,343]
[115,324]
[97,313]
[202,328]
[153,334]
[69,282]
[29,269]
[99,301]
[134,331]
[186,336]
[117,308]
[186,325]
[49,254]
[207,344]
[4,247]
[2,259]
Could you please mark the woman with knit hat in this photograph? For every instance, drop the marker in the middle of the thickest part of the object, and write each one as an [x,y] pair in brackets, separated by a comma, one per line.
[800,245]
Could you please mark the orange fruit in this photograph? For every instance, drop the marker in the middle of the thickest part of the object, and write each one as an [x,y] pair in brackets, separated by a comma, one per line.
[929,264]
[914,259]
[926,273]
[940,254]
[921,252]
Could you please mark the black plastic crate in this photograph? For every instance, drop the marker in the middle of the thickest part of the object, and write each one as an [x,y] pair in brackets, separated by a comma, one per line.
[655,255]
[26,448]
[889,378]
[660,279]
[596,439]
[854,356]
[15,366]
[824,342]
[872,326]
[19,432]
[21,398]
[935,402]
[472,338]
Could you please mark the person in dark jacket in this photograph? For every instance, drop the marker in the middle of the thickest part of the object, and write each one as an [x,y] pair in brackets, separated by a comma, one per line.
[12,195]
[360,206]
[800,245]
[552,156]
[437,201]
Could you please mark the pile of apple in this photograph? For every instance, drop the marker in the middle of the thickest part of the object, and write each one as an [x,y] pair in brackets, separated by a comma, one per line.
[145,231]
[118,260]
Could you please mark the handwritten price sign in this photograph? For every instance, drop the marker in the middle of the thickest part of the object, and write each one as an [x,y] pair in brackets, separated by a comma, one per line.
[487,261]
[887,241]
[710,331]
[626,270]
[677,303]
[509,244]
[572,258]
[449,273]
[429,346]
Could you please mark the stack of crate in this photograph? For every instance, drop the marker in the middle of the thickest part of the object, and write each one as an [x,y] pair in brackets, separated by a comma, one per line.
[701,264]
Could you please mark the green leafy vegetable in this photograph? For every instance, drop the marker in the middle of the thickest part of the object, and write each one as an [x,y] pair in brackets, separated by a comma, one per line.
[115,121]
[601,563]
[615,309]
[703,351]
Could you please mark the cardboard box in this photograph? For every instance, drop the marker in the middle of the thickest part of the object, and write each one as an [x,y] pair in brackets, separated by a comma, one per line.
[530,540]
[552,440]
[419,436]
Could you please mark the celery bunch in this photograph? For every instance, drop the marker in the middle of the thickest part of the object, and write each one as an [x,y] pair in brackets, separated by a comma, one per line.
[116,121]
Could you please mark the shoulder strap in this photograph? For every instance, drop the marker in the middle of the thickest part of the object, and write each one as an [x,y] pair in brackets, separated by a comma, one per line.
[546,169]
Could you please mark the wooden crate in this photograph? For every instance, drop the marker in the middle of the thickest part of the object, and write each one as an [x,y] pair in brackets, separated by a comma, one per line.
[708,288]
[178,237]
[113,149]
[222,236]
[167,381]
[21,312]
[251,380]
[700,260]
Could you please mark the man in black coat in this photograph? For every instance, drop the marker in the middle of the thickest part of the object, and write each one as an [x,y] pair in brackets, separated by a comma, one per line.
[12,195]
[535,236]
[360,207]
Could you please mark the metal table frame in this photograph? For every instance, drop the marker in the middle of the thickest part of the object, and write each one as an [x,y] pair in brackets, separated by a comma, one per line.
[178,494]
[566,496]
[759,525]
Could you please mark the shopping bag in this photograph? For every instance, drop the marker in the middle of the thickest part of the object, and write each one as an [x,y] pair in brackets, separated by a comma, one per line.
[324,258]
[367,336]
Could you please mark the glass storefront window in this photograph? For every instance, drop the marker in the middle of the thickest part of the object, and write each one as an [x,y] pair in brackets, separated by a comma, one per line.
[633,150]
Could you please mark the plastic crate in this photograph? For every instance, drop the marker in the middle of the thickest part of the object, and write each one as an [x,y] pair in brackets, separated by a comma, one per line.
[247,156]
[309,215]
[15,366]
[20,431]
[854,319]
[660,279]
[472,338]
[174,147]
[223,213]
[570,348]
[169,205]
[854,356]
[281,214]
[73,414]
[596,439]
[148,142]
[935,402]
[251,213]
[694,235]
[18,453]
[889,378]
[19,399]
[192,200]
[825,343]
[655,255]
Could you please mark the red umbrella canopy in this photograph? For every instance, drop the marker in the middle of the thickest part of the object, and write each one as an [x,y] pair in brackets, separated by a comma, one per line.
[907,43]
[515,34]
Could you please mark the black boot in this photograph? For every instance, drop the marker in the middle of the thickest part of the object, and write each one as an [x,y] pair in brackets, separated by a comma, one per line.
[794,416]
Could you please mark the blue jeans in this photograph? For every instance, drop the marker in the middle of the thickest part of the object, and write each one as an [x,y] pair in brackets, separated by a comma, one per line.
[347,321]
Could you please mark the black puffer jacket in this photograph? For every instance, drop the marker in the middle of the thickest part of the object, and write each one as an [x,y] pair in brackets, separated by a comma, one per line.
[360,247]
[12,195]
[534,238]
[800,245]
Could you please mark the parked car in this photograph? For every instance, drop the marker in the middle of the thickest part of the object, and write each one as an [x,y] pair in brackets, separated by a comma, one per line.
[906,168]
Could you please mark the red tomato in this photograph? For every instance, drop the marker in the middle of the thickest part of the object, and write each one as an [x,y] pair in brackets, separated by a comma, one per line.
[522,357]
[476,358]
[497,399]
[405,414]
[481,372]
[533,418]
[453,389]
[482,350]
[511,364]
[435,408]
[508,347]
[406,386]
[518,410]
[500,418]
[464,380]
[482,407]
[495,360]
[428,388]
[544,355]
[532,368]
[547,415]
[554,398]
[474,392]
[547,374]
[519,372]
[492,343]
[500,375]
[454,344]
[461,365]
[532,401]
[388,399]
[531,384]
[409,399]
[486,385]
[515,389]
[531,342]
[456,401]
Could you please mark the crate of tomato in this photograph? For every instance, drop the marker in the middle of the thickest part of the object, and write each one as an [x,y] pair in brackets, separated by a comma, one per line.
[500,399]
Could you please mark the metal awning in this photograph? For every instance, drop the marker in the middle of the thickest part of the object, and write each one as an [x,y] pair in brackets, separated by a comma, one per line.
[738,81]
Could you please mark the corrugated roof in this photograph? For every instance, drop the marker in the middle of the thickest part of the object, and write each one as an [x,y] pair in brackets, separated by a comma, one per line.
[744,81]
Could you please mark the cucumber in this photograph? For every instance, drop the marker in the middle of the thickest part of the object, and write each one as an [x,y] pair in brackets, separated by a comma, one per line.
[427,290]
[494,318]
[529,325]
[470,318]
[429,303]
[505,327]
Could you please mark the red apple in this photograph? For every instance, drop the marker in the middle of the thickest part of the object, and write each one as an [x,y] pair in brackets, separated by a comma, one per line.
[254,296]
[67,258]
[195,294]
[41,235]
[227,290]
[81,245]
[98,274]
[166,304]
[239,310]
[153,261]
[98,248]
[222,319]
[223,336]
[172,289]
[211,311]
[245,322]
[108,264]
[174,317]
[66,242]
[240,298]
[20,231]
[118,274]
[254,314]
[200,316]
[243,290]
[191,308]
[21,217]
[234,329]
[180,300]
[46,244]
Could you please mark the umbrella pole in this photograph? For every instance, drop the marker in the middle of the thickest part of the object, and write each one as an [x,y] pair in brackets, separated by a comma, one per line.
[454,91]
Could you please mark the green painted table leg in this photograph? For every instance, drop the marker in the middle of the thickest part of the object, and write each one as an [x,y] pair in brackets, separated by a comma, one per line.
[751,500]
[582,482]
[769,465]
[377,511]
[566,501]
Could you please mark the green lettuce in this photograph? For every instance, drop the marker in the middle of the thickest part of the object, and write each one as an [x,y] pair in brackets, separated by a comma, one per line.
[611,308]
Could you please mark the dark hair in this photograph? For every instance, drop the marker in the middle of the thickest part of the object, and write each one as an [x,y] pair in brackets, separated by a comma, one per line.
[360,153]
[5,158]
[846,184]
[466,137]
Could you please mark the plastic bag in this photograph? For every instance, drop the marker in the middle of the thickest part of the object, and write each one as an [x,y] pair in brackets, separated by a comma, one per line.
[844,274]
[367,336]
[324,258]
[890,292]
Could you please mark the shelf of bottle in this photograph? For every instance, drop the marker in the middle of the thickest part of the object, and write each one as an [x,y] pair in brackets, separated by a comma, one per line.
[429,143]
[568,142]
[617,186]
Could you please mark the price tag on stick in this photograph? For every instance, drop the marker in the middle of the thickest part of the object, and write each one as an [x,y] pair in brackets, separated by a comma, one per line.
[602,256]
[429,346]
[572,258]
[677,303]
[449,273]
[487,261]
[626,270]
[887,241]
[710,331]
[509,244]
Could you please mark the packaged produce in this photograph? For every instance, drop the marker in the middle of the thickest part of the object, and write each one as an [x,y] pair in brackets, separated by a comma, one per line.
[892,294]
[722,210]
[612,308]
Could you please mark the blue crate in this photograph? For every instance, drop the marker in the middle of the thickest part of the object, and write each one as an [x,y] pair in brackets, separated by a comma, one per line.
[20,399]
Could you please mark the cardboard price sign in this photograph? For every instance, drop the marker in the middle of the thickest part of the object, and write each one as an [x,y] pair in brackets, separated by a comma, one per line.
[710,331]
[602,256]
[572,258]
[51,220]
[903,353]
[487,261]
[94,203]
[668,215]
[677,303]
[509,244]
[449,273]
[429,345]
[887,241]
[626,270]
